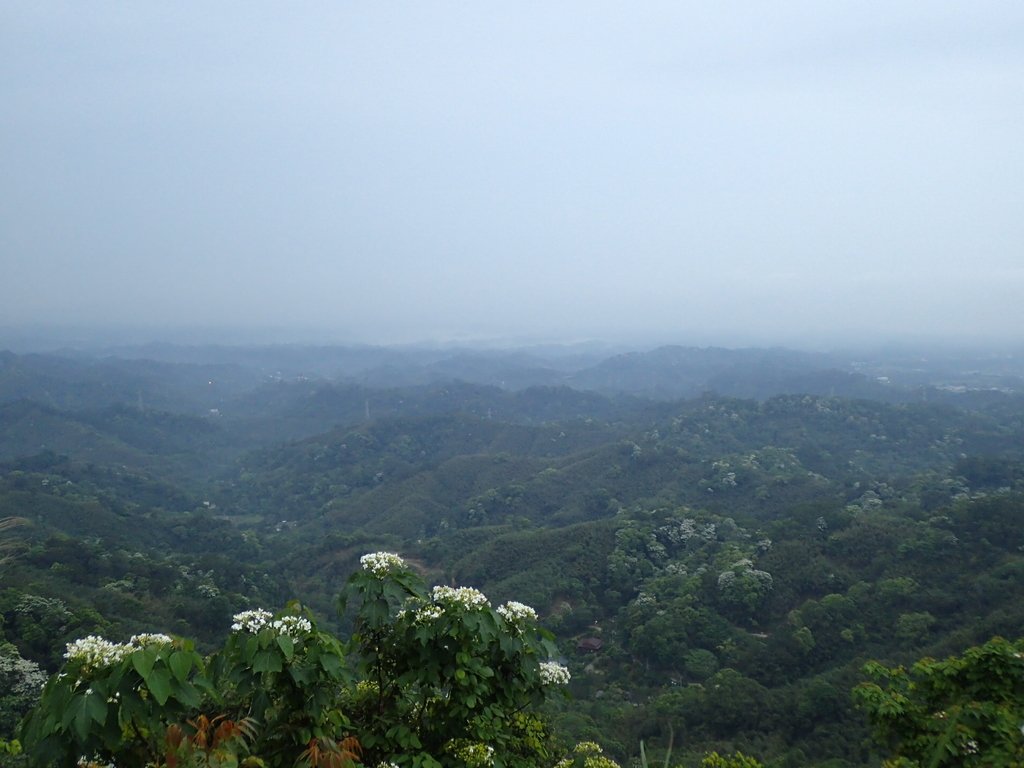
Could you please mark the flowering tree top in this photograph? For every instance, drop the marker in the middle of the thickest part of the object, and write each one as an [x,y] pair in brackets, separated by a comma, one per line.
[381,564]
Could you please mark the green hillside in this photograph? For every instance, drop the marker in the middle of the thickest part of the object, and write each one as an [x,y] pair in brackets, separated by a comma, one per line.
[713,568]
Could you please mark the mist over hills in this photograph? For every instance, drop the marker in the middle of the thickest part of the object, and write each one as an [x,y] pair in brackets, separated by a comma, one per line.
[109,405]
[165,372]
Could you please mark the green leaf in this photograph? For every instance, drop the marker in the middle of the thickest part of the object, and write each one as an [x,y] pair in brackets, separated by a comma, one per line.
[331,664]
[159,684]
[180,664]
[83,712]
[302,674]
[252,644]
[188,695]
[143,661]
[267,661]
[82,718]
[96,707]
[287,646]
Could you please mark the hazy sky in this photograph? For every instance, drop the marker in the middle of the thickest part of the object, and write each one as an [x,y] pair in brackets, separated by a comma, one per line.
[709,172]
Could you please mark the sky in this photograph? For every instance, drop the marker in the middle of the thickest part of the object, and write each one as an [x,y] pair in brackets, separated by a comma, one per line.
[714,172]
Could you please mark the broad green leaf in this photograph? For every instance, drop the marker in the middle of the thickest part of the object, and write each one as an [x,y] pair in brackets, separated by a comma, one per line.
[143,661]
[267,661]
[159,684]
[302,674]
[180,664]
[82,718]
[188,694]
[331,664]
[287,646]
[84,711]
[252,645]
[97,708]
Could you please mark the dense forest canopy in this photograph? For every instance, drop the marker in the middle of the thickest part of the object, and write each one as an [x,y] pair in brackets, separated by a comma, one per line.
[719,540]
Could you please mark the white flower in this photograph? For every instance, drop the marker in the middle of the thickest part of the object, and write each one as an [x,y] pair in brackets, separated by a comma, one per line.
[94,652]
[380,564]
[293,626]
[251,621]
[149,638]
[515,613]
[427,613]
[460,597]
[553,673]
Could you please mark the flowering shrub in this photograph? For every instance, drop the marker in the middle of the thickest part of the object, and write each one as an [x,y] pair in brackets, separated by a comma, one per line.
[380,564]
[429,678]
[275,686]
[455,677]
[110,701]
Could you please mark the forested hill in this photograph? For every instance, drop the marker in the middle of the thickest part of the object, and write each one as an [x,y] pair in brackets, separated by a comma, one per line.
[719,539]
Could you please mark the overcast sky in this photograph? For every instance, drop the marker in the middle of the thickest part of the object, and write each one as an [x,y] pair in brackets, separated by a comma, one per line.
[713,172]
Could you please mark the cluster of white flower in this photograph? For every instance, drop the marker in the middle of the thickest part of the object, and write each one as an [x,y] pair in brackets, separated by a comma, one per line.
[427,613]
[553,673]
[149,638]
[380,564]
[387,765]
[94,651]
[460,597]
[258,618]
[293,626]
[475,755]
[514,612]
[251,621]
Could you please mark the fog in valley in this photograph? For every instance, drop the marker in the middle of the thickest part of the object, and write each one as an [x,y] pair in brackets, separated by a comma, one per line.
[804,174]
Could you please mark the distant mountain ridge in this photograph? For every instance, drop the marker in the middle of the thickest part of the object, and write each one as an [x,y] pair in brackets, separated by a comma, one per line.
[180,378]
